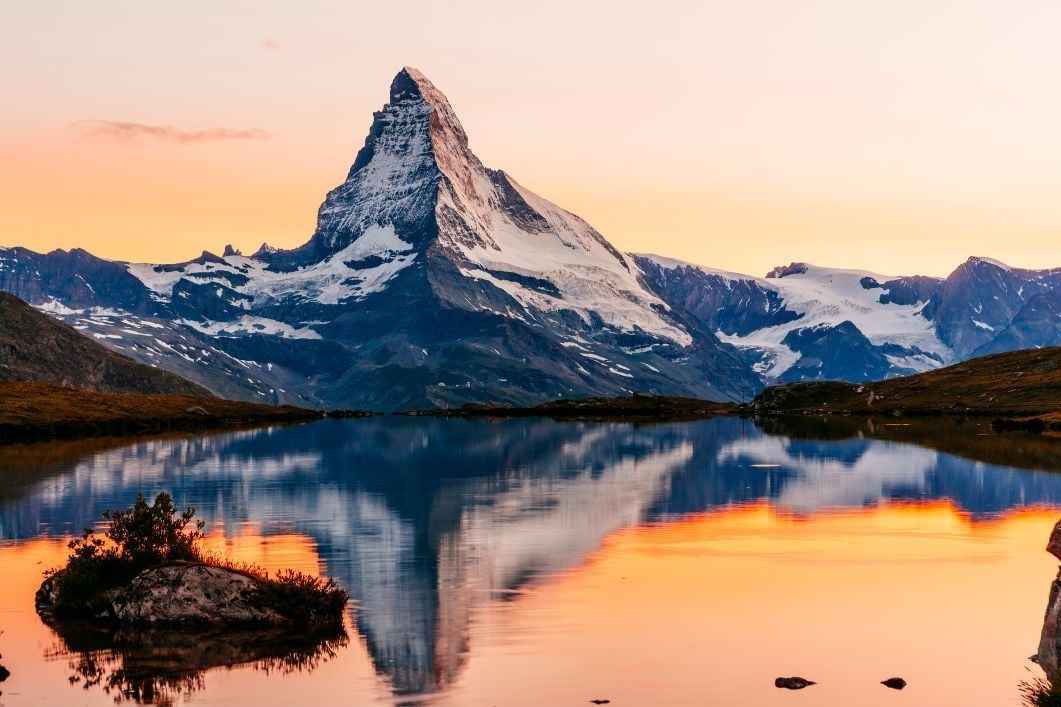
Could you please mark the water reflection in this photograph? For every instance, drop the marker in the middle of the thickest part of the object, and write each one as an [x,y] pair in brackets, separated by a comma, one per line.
[155,666]
[425,520]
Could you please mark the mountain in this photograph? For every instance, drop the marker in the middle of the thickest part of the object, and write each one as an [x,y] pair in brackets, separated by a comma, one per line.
[430,280]
[36,348]
[434,281]
[803,322]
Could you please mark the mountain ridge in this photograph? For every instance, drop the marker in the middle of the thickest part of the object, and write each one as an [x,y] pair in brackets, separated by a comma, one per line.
[432,280]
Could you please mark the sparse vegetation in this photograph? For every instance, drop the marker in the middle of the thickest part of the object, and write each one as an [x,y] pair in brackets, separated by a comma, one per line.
[1019,384]
[1041,692]
[37,411]
[157,534]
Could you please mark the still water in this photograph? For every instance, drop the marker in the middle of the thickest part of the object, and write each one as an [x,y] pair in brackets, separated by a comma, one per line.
[531,562]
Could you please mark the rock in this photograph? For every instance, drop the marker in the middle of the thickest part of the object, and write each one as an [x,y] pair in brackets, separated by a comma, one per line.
[4,673]
[601,702]
[894,683]
[188,593]
[1048,640]
[45,598]
[1053,546]
[793,683]
[197,410]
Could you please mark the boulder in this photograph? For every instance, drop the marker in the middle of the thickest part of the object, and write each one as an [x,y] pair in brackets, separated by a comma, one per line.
[1053,546]
[4,673]
[1048,640]
[894,683]
[180,593]
[194,594]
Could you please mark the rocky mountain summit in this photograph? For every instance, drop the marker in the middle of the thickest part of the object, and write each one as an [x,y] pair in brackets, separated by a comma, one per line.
[431,280]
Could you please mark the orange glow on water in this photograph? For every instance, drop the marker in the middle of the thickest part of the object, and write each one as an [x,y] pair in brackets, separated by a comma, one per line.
[709,609]
[706,609]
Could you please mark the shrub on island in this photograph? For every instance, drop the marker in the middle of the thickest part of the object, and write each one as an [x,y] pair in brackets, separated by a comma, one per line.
[150,568]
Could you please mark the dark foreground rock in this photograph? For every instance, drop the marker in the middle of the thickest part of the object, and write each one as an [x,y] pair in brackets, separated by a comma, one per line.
[1050,639]
[4,673]
[793,683]
[183,594]
[894,683]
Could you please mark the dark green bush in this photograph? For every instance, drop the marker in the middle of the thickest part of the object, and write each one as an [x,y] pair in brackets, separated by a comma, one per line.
[142,537]
[304,598]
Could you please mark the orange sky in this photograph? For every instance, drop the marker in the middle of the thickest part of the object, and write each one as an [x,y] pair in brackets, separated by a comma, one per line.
[899,137]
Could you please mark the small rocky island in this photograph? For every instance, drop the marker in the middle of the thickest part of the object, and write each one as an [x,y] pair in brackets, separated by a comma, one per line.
[149,570]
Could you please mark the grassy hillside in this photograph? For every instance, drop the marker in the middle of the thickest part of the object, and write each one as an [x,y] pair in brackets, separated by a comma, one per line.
[36,347]
[30,411]
[1015,384]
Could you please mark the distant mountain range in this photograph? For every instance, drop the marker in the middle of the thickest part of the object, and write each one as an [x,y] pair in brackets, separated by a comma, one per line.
[432,280]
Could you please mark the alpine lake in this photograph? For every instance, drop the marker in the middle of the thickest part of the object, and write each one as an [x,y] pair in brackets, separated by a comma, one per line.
[536,562]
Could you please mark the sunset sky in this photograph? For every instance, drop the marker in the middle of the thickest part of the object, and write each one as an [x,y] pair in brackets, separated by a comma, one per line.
[899,137]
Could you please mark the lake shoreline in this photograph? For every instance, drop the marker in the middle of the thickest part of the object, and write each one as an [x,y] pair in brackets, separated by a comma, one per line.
[35,412]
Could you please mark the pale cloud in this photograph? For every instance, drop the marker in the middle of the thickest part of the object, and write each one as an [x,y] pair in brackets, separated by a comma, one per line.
[270,43]
[122,131]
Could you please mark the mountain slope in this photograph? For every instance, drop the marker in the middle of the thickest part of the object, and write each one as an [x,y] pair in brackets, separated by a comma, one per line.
[1024,382]
[34,347]
[803,322]
[430,280]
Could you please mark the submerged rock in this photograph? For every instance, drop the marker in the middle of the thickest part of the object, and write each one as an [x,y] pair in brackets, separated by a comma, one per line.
[793,683]
[894,683]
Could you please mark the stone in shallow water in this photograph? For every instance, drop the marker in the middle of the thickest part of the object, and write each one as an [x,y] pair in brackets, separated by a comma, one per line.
[194,594]
[894,683]
[793,683]
[4,673]
[1053,546]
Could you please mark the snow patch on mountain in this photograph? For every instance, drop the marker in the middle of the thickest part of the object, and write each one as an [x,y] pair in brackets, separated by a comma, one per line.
[330,281]
[247,325]
[827,297]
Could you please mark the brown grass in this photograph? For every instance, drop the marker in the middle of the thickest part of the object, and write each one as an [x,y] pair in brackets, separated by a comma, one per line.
[30,411]
[1015,384]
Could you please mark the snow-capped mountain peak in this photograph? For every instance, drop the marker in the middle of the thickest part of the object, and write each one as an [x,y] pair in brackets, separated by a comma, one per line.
[429,280]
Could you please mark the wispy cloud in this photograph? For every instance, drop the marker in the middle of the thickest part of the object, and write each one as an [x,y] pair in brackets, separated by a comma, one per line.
[270,43]
[121,131]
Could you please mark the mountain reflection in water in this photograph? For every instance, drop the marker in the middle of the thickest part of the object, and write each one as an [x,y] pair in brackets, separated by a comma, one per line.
[423,520]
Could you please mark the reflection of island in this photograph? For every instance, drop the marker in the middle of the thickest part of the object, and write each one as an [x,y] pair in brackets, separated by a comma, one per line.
[157,666]
[423,521]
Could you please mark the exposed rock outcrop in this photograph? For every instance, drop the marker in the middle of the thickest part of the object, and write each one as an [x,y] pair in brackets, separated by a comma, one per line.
[181,593]
[1049,649]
